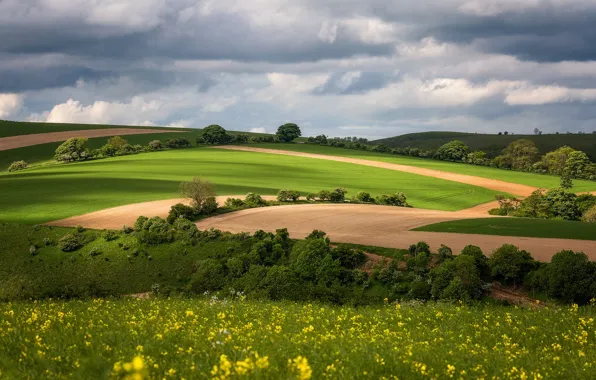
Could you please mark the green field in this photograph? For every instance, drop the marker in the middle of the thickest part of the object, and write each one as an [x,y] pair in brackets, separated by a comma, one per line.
[55,192]
[530,179]
[541,228]
[493,144]
[203,338]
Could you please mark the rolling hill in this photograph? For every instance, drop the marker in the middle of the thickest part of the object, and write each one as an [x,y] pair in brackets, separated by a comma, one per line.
[492,144]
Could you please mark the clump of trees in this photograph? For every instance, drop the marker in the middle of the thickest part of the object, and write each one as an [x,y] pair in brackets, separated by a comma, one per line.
[201,194]
[288,132]
[73,149]
[178,143]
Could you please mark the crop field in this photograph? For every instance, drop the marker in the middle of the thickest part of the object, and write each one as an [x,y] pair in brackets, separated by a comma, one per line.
[211,338]
[541,228]
[529,179]
[56,192]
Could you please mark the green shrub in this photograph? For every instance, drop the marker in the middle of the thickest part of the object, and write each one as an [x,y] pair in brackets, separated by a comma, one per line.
[255,200]
[590,215]
[126,149]
[419,290]
[109,150]
[73,149]
[95,251]
[311,197]
[338,195]
[316,234]
[110,235]
[349,258]
[286,195]
[364,197]
[17,165]
[214,134]
[479,257]
[324,195]
[210,276]
[498,211]
[140,222]
[180,210]
[397,199]
[420,247]
[155,231]
[178,143]
[155,145]
[69,243]
[234,203]
[201,194]
[510,264]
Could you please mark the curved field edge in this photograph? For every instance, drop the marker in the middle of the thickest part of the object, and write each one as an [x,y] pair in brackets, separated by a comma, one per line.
[321,341]
[529,179]
[522,227]
[57,192]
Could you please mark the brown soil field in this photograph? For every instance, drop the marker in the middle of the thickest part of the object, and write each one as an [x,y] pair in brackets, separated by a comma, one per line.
[13,142]
[502,186]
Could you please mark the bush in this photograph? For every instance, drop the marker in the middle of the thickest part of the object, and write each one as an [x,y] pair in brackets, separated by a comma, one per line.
[110,235]
[202,195]
[364,197]
[234,203]
[95,251]
[338,195]
[117,141]
[126,149]
[286,195]
[254,200]
[155,145]
[178,143]
[180,211]
[311,197]
[585,202]
[497,211]
[108,150]
[17,165]
[73,149]
[479,257]
[397,199]
[453,151]
[140,222]
[324,195]
[154,231]
[214,134]
[590,216]
[69,243]
[349,258]
[210,276]
[316,234]
[510,264]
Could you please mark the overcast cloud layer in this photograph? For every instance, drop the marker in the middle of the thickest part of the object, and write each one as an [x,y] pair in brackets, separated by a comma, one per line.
[340,67]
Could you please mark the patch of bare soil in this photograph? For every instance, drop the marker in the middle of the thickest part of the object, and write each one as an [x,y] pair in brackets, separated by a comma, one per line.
[513,296]
[493,184]
[13,142]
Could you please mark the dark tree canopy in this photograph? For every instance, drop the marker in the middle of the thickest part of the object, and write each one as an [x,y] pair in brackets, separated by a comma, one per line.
[214,134]
[288,132]
[453,151]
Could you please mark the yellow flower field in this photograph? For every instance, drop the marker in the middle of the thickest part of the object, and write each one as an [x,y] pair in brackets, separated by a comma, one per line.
[220,339]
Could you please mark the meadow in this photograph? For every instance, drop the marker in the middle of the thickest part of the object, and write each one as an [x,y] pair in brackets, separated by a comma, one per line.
[524,227]
[531,179]
[218,338]
[50,193]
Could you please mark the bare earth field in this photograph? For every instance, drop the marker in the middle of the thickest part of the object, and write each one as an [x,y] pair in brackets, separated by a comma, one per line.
[13,142]
[506,187]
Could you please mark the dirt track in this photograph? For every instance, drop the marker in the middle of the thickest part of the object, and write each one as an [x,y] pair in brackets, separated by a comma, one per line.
[383,226]
[13,142]
[493,184]
[116,217]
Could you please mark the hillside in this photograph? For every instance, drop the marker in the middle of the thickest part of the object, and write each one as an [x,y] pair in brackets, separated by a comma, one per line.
[492,144]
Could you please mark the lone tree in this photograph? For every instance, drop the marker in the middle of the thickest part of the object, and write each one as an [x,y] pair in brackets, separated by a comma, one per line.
[201,194]
[117,141]
[288,132]
[215,134]
[453,151]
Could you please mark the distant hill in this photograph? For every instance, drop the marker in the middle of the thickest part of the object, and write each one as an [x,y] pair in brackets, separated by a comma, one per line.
[492,144]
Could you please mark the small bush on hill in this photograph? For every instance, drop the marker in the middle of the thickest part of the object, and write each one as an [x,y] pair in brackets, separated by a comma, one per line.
[234,203]
[117,141]
[109,150]
[324,195]
[510,264]
[452,151]
[254,200]
[69,243]
[497,211]
[178,143]
[17,165]
[338,195]
[126,149]
[180,210]
[479,257]
[590,215]
[286,195]
[311,197]
[155,145]
[584,202]
[397,199]
[73,149]
[364,197]
[288,132]
[215,134]
[154,231]
[202,195]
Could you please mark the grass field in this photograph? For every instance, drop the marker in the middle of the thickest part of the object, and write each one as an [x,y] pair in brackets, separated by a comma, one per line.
[55,192]
[530,179]
[17,128]
[542,228]
[205,338]
[493,144]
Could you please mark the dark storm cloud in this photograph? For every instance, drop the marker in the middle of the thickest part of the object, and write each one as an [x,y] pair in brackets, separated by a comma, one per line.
[25,79]
[341,83]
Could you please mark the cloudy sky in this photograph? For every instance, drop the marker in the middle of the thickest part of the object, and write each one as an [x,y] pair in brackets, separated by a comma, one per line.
[370,68]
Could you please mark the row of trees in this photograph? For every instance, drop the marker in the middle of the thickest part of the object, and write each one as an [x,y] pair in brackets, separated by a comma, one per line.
[216,135]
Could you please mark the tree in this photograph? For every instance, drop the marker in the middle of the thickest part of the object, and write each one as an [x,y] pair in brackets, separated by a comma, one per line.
[519,155]
[288,132]
[201,193]
[578,165]
[536,131]
[155,145]
[73,149]
[455,150]
[17,165]
[511,264]
[117,141]
[554,162]
[214,134]
[590,215]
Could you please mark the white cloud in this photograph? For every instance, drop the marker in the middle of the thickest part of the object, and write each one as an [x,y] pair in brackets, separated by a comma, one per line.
[258,130]
[538,95]
[10,104]
[219,105]
[328,31]
[496,7]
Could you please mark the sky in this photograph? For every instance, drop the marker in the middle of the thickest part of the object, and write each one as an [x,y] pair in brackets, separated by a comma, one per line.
[374,68]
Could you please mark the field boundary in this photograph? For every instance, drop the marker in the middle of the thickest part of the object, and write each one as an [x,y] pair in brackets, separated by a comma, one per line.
[492,184]
[20,141]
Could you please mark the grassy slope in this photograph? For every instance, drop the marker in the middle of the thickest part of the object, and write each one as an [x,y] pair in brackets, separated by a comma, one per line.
[187,338]
[530,179]
[493,144]
[18,128]
[541,228]
[55,192]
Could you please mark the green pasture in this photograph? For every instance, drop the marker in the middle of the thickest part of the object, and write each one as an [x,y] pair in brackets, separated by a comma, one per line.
[529,179]
[524,227]
[18,128]
[55,192]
